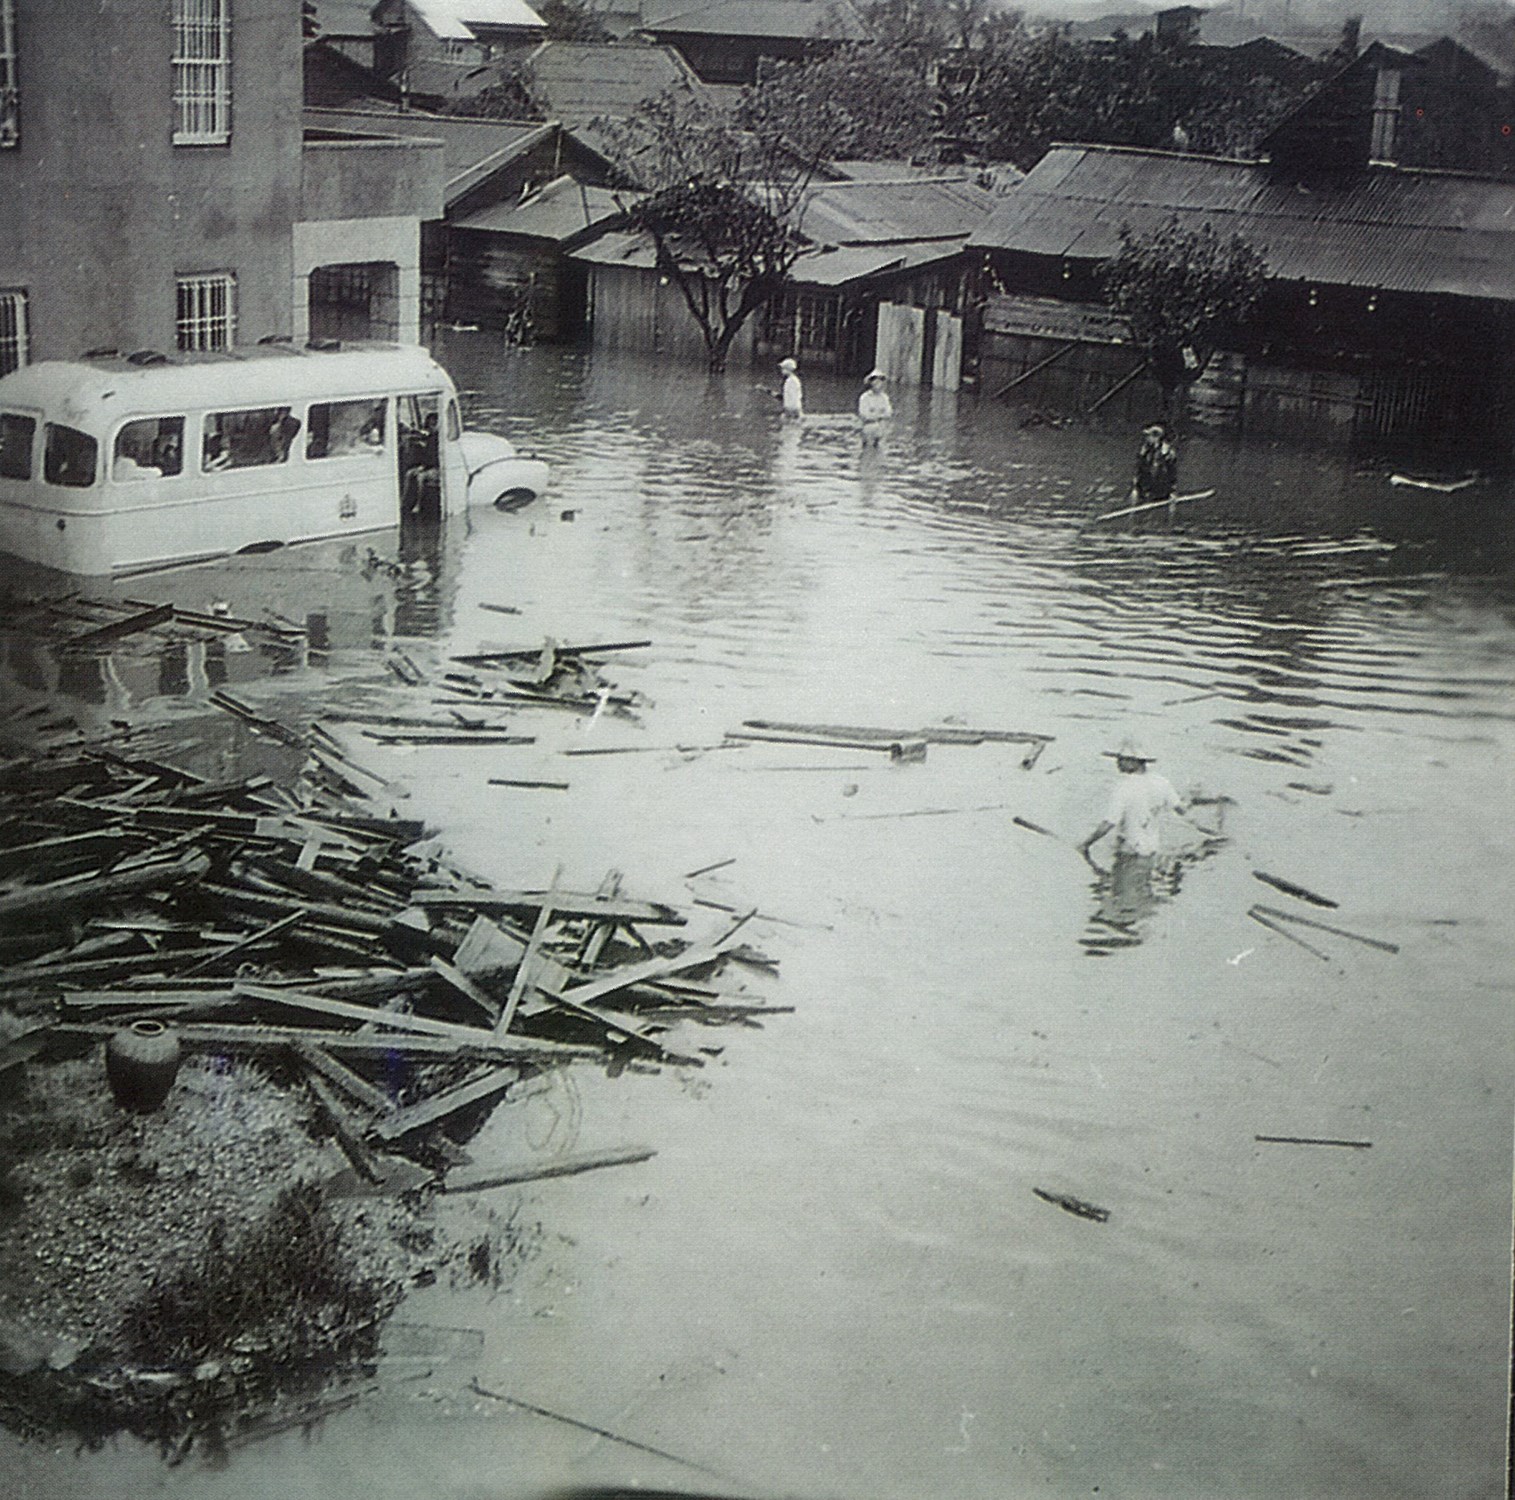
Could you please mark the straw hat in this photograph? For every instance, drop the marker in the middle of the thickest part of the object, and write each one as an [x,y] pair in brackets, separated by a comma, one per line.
[1131,749]
[875,375]
[788,365]
[1155,429]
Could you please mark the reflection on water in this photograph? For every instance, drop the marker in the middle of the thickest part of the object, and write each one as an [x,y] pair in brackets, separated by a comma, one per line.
[836,1278]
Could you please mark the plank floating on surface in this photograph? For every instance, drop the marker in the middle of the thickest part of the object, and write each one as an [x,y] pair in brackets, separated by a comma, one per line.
[1288,916]
[369,1043]
[564,903]
[936,734]
[1289,888]
[439,1106]
[1132,510]
[475,1178]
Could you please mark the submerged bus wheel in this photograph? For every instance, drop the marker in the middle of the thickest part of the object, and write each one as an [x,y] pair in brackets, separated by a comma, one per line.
[514,499]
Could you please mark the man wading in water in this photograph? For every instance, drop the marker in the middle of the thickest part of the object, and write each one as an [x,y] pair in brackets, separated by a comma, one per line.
[1134,816]
[1156,466]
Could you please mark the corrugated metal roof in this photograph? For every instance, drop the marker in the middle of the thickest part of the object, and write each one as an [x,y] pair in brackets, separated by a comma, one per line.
[792,20]
[580,80]
[559,211]
[471,148]
[454,20]
[872,212]
[1385,228]
[345,17]
[618,248]
[854,262]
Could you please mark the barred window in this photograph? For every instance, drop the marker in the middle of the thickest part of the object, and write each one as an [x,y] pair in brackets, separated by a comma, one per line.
[207,311]
[202,72]
[10,86]
[13,351]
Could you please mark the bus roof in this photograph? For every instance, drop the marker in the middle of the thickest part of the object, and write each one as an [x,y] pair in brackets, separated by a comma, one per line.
[83,391]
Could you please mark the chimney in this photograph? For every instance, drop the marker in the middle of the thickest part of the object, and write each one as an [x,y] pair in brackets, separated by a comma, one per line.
[1351,37]
[1178,27]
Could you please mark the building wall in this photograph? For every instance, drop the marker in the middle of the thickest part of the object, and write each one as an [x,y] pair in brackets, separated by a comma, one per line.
[103,211]
[633,309]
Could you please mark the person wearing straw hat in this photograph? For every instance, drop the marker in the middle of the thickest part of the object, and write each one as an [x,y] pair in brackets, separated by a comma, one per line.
[1156,466]
[793,393]
[874,408]
[1136,807]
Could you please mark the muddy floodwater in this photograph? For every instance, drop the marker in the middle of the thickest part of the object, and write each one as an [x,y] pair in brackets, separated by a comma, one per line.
[836,1278]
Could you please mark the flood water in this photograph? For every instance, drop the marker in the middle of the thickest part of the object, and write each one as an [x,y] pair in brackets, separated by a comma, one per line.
[836,1278]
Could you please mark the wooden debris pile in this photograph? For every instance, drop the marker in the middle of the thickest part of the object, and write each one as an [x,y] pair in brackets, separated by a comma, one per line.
[546,676]
[407,996]
[75,622]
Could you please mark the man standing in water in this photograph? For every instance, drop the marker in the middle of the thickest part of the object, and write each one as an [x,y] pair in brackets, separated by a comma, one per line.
[793,393]
[874,409]
[1136,807]
[1156,465]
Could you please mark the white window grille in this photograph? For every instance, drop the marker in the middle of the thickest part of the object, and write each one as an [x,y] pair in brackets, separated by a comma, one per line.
[202,72]
[207,311]
[10,85]
[13,331]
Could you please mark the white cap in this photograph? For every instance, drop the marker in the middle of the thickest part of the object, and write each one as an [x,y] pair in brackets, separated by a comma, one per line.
[788,364]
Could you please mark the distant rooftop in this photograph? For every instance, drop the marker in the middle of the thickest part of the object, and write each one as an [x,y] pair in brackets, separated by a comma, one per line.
[456,20]
[579,80]
[797,20]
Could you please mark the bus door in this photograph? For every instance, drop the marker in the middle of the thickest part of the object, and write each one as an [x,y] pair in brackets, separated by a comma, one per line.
[418,422]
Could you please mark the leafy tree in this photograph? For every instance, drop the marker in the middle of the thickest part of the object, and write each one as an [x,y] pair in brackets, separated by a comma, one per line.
[860,102]
[505,93]
[1183,292]
[572,21]
[721,194]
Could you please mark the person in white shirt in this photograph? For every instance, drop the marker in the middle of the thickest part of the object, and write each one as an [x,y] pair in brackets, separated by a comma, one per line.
[1136,807]
[874,409]
[793,393]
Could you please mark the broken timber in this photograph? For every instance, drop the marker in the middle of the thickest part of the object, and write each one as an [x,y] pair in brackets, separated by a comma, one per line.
[474,1179]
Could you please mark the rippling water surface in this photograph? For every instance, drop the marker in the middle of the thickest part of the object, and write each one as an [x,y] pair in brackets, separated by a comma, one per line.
[836,1277]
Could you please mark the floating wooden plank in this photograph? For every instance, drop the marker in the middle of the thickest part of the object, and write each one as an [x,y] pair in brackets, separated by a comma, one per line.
[1311,1140]
[720,864]
[526,653]
[475,1178]
[564,903]
[893,748]
[1289,888]
[1288,916]
[147,619]
[456,736]
[1075,1206]
[366,1044]
[936,734]
[1132,510]
[653,968]
[1283,932]
[542,786]
[271,727]
[439,1106]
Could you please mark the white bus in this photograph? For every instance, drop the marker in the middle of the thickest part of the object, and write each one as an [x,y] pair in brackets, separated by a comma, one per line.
[116,464]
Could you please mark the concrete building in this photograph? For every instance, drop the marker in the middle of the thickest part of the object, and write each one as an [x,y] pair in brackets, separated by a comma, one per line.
[160,192]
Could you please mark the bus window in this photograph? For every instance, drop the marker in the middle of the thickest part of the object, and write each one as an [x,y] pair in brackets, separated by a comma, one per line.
[338,429]
[69,457]
[454,422]
[248,439]
[148,448]
[16,436]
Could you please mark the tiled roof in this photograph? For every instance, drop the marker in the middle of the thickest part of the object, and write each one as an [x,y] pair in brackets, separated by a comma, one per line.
[579,80]
[1384,228]
[556,212]
[797,20]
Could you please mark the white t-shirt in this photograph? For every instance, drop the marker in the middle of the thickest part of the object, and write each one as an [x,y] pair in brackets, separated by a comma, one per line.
[794,396]
[1136,807]
[874,406]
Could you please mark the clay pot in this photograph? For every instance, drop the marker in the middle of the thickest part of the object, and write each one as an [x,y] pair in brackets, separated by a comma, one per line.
[141,1063]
